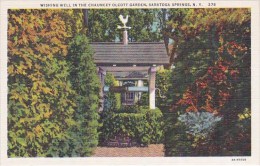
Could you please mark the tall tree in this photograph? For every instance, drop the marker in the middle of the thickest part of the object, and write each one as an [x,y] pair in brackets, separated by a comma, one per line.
[211,53]
[40,98]
[85,82]
[145,23]
[46,115]
[216,55]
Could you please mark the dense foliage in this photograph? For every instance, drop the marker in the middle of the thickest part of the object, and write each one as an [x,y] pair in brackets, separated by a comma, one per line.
[199,124]
[145,25]
[212,58]
[112,100]
[85,82]
[164,89]
[177,142]
[43,107]
[37,112]
[142,125]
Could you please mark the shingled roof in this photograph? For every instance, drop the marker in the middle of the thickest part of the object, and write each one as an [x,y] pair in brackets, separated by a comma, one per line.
[145,53]
[132,75]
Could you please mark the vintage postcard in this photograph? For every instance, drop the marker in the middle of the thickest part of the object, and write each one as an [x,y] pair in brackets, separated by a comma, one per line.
[129,82]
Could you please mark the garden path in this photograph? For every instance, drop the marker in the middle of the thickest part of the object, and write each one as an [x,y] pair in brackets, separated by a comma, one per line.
[153,150]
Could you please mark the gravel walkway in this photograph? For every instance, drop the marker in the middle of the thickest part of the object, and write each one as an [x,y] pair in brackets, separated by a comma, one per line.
[153,150]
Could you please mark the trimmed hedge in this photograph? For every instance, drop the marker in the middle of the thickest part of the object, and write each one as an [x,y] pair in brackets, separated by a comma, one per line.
[143,125]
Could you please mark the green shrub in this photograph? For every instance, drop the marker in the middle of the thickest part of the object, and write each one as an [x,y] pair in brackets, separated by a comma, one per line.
[144,126]
[112,100]
[164,89]
[128,109]
[176,140]
[83,136]
[199,124]
[203,134]
[144,100]
[233,139]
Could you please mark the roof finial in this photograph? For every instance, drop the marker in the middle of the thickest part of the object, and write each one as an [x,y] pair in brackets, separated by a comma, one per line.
[124,21]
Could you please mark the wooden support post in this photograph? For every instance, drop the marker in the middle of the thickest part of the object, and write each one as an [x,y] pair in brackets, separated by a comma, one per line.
[152,77]
[125,37]
[140,83]
[102,75]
